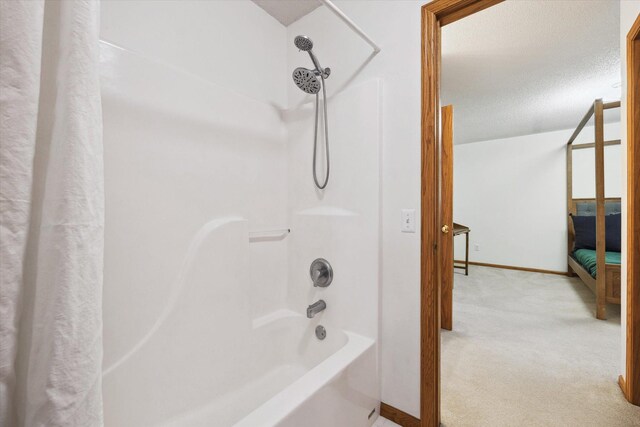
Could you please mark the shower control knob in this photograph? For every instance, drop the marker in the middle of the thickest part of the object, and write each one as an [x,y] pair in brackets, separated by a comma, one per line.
[321,273]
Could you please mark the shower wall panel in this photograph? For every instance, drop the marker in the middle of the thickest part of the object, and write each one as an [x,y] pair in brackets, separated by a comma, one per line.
[342,222]
[185,153]
[234,43]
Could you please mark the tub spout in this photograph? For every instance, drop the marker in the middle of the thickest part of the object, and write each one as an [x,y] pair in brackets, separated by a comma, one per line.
[316,308]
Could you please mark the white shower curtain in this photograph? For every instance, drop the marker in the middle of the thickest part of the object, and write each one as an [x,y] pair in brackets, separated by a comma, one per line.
[51,214]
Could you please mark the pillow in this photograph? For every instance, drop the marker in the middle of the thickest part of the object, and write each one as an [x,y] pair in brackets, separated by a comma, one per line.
[613,232]
[585,232]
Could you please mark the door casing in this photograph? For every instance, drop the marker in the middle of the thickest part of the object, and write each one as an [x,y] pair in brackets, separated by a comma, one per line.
[446,216]
[630,382]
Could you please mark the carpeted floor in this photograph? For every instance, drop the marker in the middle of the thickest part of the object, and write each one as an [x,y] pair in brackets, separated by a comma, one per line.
[525,350]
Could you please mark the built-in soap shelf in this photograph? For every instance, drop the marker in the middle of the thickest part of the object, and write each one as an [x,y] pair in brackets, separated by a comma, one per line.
[272,317]
[326,211]
[268,235]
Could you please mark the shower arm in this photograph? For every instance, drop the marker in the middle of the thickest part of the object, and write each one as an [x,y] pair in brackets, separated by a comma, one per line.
[324,71]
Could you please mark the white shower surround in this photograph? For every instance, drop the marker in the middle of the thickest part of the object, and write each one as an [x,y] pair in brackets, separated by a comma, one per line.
[203,327]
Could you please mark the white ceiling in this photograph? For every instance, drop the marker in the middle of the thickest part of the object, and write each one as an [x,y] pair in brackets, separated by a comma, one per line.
[530,66]
[287,11]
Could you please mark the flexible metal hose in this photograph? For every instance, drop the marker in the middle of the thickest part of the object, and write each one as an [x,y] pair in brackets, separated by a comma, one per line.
[326,138]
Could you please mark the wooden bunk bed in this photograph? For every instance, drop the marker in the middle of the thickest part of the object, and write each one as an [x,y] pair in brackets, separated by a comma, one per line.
[601,273]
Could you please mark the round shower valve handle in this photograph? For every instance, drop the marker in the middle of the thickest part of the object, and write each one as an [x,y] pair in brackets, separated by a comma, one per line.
[321,273]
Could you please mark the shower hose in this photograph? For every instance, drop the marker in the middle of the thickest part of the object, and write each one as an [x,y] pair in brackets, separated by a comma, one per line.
[326,138]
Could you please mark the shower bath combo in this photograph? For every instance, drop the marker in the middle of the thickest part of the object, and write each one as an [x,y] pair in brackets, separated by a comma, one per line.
[283,354]
[307,80]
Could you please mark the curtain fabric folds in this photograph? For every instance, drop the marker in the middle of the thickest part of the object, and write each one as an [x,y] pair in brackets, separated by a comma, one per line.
[51,214]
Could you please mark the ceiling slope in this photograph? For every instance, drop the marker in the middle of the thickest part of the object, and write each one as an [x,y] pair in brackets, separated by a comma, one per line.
[287,11]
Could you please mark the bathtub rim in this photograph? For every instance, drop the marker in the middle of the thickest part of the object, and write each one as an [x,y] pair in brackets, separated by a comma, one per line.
[277,408]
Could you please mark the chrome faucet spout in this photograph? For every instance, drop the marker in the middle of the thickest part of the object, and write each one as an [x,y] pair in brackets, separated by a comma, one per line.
[316,308]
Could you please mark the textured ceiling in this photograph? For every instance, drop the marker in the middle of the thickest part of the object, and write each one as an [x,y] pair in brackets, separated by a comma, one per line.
[287,11]
[525,67]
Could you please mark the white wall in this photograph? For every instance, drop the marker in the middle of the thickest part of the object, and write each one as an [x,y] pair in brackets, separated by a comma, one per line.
[512,194]
[395,26]
[584,165]
[629,11]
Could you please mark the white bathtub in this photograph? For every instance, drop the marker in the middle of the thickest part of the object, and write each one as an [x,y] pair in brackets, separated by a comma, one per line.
[290,368]
[284,377]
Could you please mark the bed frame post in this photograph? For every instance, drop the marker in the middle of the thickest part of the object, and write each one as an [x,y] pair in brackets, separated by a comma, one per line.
[570,211]
[601,290]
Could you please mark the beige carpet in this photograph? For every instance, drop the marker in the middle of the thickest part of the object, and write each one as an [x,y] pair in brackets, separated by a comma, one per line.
[527,351]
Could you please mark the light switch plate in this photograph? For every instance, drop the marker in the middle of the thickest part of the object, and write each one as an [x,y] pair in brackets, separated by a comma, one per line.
[408,221]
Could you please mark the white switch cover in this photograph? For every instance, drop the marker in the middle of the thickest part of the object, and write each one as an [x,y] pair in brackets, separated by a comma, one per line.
[408,221]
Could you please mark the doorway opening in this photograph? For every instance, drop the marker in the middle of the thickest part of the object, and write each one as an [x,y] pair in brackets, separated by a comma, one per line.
[435,15]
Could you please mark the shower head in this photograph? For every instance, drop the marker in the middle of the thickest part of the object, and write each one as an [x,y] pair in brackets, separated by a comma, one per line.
[303,43]
[306,80]
[309,82]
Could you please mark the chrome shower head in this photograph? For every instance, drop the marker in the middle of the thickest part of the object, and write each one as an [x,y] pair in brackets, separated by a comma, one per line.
[306,80]
[303,43]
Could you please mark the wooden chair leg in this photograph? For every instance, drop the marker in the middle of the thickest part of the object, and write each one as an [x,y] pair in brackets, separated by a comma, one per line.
[466,255]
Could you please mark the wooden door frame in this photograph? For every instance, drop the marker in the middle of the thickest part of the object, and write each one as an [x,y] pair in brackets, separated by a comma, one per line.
[446,217]
[630,383]
[435,15]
